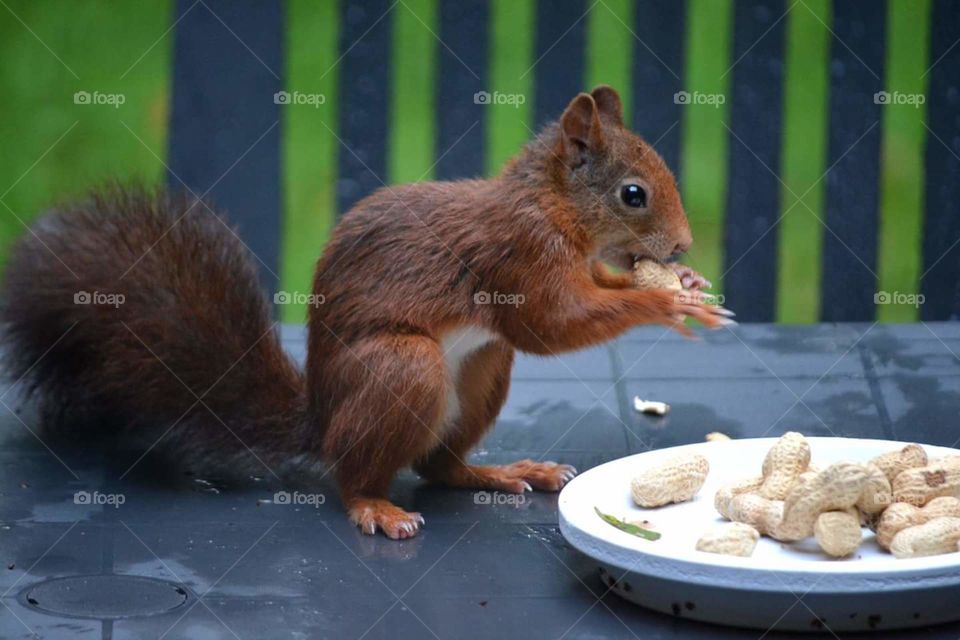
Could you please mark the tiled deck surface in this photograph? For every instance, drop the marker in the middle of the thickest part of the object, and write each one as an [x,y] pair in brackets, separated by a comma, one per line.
[262,570]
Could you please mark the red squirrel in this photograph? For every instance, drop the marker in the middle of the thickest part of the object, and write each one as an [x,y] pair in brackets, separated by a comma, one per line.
[141,312]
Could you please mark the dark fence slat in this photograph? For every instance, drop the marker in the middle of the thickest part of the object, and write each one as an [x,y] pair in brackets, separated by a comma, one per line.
[365,44]
[559,55]
[753,194]
[940,283]
[224,125]
[852,193]
[463,73]
[659,26]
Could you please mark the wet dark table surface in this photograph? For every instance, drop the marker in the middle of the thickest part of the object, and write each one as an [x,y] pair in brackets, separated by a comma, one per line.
[254,568]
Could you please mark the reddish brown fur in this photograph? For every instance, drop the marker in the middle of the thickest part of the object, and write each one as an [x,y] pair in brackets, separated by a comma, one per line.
[402,270]
[398,278]
[194,323]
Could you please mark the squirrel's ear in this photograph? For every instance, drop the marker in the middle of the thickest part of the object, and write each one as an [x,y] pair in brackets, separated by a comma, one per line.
[608,103]
[581,132]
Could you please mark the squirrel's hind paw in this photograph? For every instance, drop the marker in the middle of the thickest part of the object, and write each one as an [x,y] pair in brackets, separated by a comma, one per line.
[373,514]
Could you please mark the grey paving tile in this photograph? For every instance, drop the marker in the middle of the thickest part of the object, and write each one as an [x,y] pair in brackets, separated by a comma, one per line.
[766,354]
[311,504]
[270,619]
[32,552]
[923,408]
[444,505]
[510,575]
[304,583]
[37,487]
[380,618]
[242,560]
[753,408]
[484,563]
[438,504]
[770,332]
[452,617]
[917,331]
[588,364]
[559,415]
[519,618]
[337,561]
[889,356]
[17,621]
[248,505]
[441,505]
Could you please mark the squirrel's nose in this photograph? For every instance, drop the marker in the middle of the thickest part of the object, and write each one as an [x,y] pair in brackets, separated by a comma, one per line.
[683,245]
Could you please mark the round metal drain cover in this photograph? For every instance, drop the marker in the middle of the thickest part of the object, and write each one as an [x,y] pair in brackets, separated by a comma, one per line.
[104,596]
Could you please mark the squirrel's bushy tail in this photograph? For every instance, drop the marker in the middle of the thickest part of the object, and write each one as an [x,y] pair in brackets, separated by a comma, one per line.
[141,312]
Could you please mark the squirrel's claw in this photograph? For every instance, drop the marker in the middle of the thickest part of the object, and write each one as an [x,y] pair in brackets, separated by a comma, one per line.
[695,282]
[689,278]
[693,304]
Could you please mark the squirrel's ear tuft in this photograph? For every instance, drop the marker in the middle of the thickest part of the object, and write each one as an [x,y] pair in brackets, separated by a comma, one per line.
[608,103]
[581,131]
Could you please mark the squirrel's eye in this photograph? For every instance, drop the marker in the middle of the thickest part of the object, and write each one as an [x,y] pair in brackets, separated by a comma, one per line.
[633,195]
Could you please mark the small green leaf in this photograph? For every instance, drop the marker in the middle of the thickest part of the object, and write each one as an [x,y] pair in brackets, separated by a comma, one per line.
[626,527]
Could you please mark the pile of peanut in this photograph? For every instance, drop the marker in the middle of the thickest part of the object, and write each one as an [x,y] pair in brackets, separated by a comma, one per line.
[910,502]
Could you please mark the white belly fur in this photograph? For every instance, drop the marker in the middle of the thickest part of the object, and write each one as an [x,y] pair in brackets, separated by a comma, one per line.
[458,345]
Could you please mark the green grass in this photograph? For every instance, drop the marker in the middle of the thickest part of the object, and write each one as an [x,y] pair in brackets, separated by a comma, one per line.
[610,46]
[704,136]
[803,162]
[412,123]
[310,145]
[54,148]
[510,126]
[901,193]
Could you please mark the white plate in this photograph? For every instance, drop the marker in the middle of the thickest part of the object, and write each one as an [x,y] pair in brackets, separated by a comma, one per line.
[782,586]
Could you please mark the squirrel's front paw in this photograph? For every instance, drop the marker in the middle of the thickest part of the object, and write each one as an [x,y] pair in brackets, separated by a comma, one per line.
[673,307]
[689,278]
